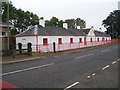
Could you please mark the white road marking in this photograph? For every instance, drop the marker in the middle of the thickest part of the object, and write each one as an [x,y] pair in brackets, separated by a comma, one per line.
[71,85]
[80,57]
[118,59]
[93,74]
[18,71]
[114,62]
[55,56]
[102,51]
[106,67]
[84,56]
[105,50]
[90,54]
[88,76]
[11,72]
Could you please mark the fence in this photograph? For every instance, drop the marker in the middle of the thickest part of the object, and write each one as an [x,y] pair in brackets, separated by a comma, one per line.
[67,46]
[53,47]
[27,51]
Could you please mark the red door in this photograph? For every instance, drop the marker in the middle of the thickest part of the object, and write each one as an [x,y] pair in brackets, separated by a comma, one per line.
[85,41]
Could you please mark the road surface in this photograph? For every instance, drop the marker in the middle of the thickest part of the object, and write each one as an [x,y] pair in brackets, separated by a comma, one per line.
[96,67]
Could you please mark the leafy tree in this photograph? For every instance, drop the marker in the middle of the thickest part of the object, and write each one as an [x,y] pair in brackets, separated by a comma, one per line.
[72,23]
[19,18]
[47,23]
[112,24]
[60,23]
[80,23]
[54,21]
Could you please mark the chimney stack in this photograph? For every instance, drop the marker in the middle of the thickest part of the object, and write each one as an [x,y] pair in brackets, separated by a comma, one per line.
[36,30]
[78,27]
[42,22]
[65,25]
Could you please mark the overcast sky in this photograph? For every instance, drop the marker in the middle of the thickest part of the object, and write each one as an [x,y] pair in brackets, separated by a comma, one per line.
[92,11]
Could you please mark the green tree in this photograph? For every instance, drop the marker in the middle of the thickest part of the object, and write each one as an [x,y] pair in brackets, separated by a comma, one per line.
[80,23]
[112,24]
[60,23]
[54,21]
[47,23]
[19,18]
[72,23]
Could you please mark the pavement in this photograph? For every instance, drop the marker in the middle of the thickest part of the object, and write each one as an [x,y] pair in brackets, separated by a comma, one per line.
[19,60]
[90,68]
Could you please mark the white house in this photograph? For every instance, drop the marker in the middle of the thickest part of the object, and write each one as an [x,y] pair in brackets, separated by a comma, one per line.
[96,37]
[41,38]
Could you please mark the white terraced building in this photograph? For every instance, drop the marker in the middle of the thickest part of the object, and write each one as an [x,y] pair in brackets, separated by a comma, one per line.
[41,38]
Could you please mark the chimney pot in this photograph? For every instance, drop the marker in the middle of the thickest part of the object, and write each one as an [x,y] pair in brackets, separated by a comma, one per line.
[42,22]
[78,27]
[65,25]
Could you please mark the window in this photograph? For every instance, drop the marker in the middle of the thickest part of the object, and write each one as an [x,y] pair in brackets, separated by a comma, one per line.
[80,40]
[85,42]
[71,40]
[98,39]
[90,39]
[106,39]
[59,40]
[19,45]
[45,41]
[3,33]
[102,39]
[29,45]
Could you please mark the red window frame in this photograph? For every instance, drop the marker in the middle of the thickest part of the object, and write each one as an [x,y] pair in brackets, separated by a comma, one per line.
[59,40]
[98,39]
[45,41]
[80,40]
[71,40]
[90,39]
[102,39]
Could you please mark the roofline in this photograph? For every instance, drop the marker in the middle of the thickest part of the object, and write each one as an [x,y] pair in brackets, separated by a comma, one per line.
[46,35]
[58,35]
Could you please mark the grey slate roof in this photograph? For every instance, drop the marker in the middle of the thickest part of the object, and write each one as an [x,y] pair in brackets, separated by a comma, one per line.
[86,31]
[55,31]
[58,31]
[101,34]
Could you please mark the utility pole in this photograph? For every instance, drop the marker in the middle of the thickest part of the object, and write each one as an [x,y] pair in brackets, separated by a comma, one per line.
[112,31]
[7,1]
[8,24]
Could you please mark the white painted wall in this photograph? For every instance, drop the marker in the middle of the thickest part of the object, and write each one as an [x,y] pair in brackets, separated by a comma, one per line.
[65,39]
[91,33]
[88,38]
[51,39]
[25,41]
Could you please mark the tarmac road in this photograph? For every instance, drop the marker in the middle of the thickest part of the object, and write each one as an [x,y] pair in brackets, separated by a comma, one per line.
[90,68]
